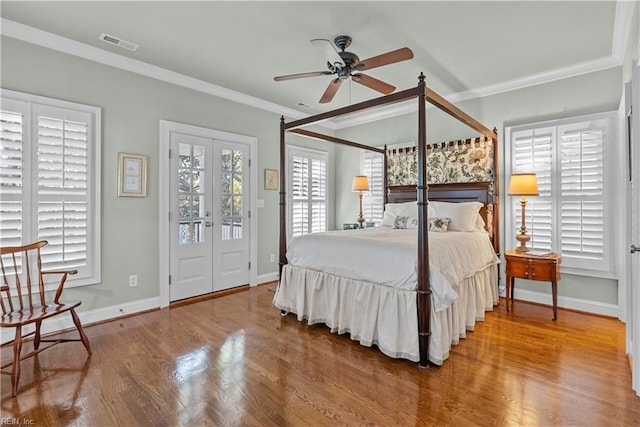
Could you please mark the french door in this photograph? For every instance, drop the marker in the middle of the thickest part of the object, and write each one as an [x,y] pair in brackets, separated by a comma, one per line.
[209,215]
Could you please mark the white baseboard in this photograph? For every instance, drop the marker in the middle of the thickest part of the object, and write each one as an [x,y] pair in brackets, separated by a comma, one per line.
[568,302]
[266,278]
[63,322]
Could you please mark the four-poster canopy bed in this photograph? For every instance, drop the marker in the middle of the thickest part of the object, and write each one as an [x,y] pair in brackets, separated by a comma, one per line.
[462,314]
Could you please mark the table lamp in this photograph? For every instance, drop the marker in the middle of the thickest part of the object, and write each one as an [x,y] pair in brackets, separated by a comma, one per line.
[360,185]
[523,184]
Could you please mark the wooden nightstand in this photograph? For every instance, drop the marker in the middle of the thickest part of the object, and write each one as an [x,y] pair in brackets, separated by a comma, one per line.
[531,267]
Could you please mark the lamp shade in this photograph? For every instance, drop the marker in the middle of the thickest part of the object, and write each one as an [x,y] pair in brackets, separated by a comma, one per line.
[523,184]
[360,183]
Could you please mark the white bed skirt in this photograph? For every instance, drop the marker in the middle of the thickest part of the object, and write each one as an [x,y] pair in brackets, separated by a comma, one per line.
[382,315]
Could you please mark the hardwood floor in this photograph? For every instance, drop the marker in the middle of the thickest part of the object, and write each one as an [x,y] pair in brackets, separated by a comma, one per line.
[234,361]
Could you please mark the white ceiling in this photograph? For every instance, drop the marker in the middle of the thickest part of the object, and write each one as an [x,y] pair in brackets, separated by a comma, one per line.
[465,49]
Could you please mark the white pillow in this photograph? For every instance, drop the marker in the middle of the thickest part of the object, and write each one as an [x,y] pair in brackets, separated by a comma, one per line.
[480,225]
[402,209]
[409,209]
[463,215]
[388,219]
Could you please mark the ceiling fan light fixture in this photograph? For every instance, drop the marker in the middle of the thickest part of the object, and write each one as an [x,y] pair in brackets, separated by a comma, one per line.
[342,64]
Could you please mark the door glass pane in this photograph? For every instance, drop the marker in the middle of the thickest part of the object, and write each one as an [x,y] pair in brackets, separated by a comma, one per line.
[198,156]
[195,183]
[232,194]
[191,196]
[237,206]
[226,183]
[184,205]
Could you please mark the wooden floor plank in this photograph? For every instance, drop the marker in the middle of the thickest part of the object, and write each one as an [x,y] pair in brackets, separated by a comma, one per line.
[235,361]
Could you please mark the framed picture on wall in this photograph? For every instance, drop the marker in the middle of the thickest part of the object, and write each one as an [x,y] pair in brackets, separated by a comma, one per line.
[270,179]
[132,175]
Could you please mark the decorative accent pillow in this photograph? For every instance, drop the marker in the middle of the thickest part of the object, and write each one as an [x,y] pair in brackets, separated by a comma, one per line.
[402,222]
[439,224]
[388,219]
[463,216]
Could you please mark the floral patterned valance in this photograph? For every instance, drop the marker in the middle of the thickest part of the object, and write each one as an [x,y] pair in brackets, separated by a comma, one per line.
[466,160]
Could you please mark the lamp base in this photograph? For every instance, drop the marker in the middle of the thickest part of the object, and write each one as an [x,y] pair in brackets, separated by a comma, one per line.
[523,239]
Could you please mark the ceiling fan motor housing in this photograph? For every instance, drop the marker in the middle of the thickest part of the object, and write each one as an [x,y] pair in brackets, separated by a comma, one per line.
[350,59]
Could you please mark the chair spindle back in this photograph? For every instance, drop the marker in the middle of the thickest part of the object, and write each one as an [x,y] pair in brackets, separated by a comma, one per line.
[16,264]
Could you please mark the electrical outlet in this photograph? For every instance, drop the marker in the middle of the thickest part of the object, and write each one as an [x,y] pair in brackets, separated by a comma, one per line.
[133,280]
[273,257]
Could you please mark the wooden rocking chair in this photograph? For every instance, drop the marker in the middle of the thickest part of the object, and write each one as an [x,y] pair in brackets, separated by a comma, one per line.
[21,309]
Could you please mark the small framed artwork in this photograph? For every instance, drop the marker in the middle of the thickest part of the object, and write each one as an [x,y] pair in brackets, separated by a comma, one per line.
[270,179]
[132,175]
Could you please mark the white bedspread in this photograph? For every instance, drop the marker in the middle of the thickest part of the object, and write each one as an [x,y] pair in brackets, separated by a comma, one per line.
[388,257]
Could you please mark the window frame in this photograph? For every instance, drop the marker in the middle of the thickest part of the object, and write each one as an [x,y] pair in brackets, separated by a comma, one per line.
[605,268]
[29,104]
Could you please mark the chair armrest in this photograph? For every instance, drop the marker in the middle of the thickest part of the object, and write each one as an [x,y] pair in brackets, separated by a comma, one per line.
[63,279]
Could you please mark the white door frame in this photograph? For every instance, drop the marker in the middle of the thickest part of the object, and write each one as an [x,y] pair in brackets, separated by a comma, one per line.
[635,287]
[166,127]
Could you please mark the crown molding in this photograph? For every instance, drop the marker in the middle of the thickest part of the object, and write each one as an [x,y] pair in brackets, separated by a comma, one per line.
[622,28]
[52,41]
[399,109]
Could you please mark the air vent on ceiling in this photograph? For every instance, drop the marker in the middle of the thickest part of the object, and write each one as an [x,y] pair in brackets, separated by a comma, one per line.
[119,42]
[303,105]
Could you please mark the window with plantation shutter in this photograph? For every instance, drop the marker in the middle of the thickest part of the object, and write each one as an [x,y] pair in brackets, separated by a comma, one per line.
[307,176]
[572,214]
[49,184]
[371,165]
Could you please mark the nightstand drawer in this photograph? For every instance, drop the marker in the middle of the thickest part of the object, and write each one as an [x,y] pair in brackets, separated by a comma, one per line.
[542,269]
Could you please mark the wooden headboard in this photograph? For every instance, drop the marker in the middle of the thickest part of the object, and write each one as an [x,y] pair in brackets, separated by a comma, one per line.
[457,192]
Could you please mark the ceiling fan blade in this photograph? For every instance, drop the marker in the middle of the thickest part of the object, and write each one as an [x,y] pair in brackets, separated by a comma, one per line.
[392,57]
[302,75]
[374,84]
[328,94]
[326,47]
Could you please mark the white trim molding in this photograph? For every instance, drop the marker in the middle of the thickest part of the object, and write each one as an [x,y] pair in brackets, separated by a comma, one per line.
[62,323]
[52,41]
[622,28]
[587,306]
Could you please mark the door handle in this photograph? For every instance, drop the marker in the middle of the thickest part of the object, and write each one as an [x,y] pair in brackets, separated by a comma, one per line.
[633,249]
[208,224]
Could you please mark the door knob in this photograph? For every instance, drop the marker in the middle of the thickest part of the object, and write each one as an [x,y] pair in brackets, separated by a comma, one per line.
[208,224]
[633,249]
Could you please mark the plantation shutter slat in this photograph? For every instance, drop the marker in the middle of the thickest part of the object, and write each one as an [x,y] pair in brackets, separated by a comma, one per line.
[11,173]
[308,184]
[373,200]
[532,150]
[63,180]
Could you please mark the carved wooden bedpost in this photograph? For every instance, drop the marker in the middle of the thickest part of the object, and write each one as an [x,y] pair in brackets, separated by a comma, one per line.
[282,256]
[385,171]
[496,196]
[424,285]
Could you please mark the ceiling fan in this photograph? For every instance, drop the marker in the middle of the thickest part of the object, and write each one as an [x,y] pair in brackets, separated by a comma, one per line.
[346,64]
